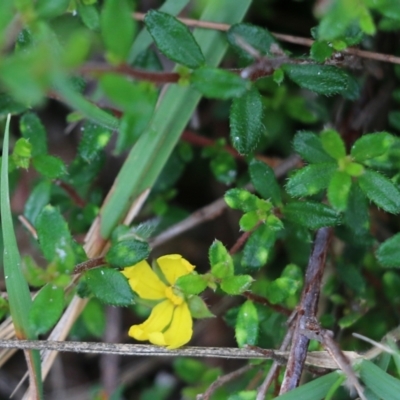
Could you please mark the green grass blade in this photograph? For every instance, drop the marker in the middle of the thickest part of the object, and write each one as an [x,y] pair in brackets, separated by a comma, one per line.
[17,288]
[381,383]
[315,390]
[149,155]
[85,107]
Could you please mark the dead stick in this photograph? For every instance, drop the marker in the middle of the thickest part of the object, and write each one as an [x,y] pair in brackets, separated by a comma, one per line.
[306,310]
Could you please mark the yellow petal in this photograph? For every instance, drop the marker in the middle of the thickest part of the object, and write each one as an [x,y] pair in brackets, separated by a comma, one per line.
[145,282]
[173,266]
[158,320]
[179,332]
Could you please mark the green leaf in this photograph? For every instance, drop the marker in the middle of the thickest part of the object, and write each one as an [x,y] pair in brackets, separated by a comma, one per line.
[388,253]
[356,216]
[117,29]
[94,319]
[21,153]
[264,181]
[54,238]
[241,199]
[220,260]
[282,288]
[321,50]
[385,386]
[191,284]
[333,144]
[311,179]
[249,220]
[127,253]
[94,138]
[371,145]
[381,191]
[257,248]
[51,8]
[46,309]
[134,97]
[322,79]
[259,39]
[89,15]
[49,166]
[308,145]
[189,370]
[223,166]
[8,105]
[174,39]
[237,284]
[39,197]
[216,83]
[311,215]
[246,328]
[33,130]
[245,120]
[339,190]
[198,308]
[109,286]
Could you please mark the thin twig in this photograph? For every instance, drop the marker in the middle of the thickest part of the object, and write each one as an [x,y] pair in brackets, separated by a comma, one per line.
[306,310]
[72,193]
[314,331]
[262,390]
[89,264]
[319,359]
[140,74]
[286,38]
[24,221]
[265,302]
[242,239]
[222,380]
[215,208]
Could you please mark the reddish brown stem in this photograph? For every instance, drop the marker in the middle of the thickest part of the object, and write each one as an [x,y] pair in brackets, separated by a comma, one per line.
[152,76]
[71,192]
[89,264]
[265,302]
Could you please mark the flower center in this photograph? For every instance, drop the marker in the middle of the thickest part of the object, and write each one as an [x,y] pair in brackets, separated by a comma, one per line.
[175,300]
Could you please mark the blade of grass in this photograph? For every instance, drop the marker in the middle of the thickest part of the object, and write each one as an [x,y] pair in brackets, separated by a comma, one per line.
[149,155]
[17,288]
[315,390]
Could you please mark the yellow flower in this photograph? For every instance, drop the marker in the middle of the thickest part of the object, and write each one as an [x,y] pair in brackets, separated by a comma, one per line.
[170,322]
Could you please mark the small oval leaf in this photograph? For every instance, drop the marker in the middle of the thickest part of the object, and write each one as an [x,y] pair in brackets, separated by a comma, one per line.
[216,83]
[260,39]
[46,309]
[257,248]
[388,253]
[245,120]
[246,328]
[322,79]
[109,286]
[311,215]
[339,190]
[380,190]
[264,181]
[308,145]
[127,252]
[371,145]
[174,39]
[311,179]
